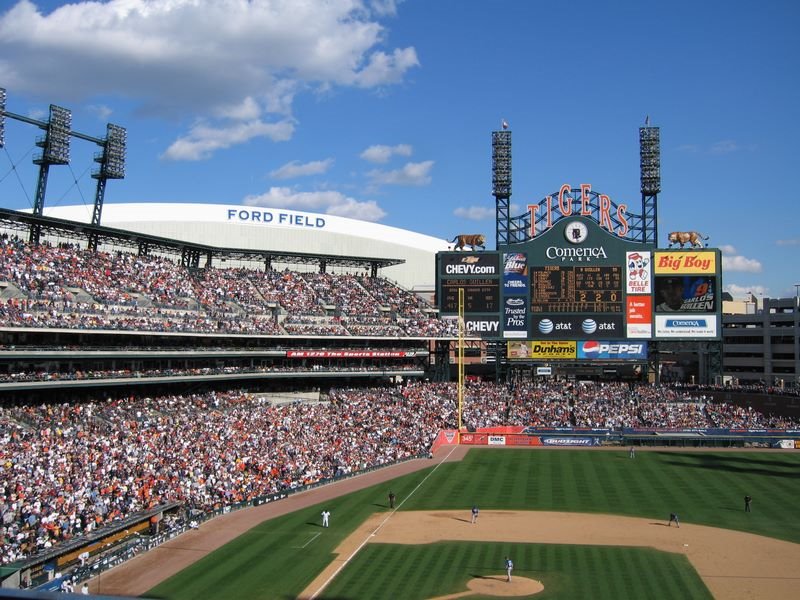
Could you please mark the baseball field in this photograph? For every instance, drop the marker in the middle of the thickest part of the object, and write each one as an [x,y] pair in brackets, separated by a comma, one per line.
[577,524]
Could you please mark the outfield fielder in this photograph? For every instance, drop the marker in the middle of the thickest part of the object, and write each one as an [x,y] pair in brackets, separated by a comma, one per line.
[325,516]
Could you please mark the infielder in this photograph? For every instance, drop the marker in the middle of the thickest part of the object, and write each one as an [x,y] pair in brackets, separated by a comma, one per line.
[509,568]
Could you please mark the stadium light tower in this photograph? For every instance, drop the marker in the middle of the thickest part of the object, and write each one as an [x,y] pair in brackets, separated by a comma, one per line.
[55,146]
[55,151]
[111,166]
[650,169]
[501,183]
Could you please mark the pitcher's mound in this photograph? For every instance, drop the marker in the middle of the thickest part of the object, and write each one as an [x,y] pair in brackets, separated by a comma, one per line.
[498,586]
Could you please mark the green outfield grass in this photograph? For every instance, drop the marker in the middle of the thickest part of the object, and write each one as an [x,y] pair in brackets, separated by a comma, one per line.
[280,557]
[568,572]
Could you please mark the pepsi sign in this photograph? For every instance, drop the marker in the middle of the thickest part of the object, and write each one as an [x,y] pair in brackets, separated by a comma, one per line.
[604,350]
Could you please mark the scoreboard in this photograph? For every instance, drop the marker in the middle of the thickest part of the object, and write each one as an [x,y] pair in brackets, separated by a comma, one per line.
[558,288]
[481,295]
[577,283]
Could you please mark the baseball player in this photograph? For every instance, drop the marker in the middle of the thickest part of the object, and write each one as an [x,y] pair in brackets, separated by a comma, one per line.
[509,568]
[326,514]
[475,514]
[673,518]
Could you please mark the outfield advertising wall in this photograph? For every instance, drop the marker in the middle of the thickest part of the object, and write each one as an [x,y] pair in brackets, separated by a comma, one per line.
[520,436]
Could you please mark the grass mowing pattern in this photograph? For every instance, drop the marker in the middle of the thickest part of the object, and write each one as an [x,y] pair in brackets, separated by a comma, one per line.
[702,487]
[568,572]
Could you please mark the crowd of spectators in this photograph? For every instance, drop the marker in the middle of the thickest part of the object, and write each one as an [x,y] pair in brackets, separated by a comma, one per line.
[69,468]
[65,286]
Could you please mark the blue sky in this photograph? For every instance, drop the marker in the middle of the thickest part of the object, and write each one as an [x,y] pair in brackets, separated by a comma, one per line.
[383,110]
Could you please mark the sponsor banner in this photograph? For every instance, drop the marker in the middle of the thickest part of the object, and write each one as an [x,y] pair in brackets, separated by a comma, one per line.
[551,350]
[638,316]
[583,327]
[483,327]
[639,331]
[515,317]
[348,354]
[474,439]
[544,370]
[612,350]
[569,441]
[530,430]
[674,326]
[445,437]
[638,272]
[477,263]
[786,444]
[497,440]
[518,350]
[685,293]
[523,440]
[685,261]
[515,273]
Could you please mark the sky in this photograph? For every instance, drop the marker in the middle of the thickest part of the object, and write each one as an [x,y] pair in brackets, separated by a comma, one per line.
[382,110]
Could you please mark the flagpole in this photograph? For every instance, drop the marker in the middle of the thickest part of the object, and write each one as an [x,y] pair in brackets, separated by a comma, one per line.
[460,357]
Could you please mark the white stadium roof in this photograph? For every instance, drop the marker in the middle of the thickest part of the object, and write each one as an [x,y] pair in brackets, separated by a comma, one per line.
[280,229]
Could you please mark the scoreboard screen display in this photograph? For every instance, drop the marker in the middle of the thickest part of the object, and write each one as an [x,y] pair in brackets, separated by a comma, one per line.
[577,289]
[480,295]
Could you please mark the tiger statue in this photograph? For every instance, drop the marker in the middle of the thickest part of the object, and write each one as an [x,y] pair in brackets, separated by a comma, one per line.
[473,240]
[694,239]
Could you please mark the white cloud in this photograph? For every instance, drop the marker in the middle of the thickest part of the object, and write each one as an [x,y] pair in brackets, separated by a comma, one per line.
[740,263]
[740,292]
[410,174]
[381,154]
[475,213]
[790,242]
[384,7]
[733,261]
[295,169]
[330,202]
[365,211]
[724,147]
[385,68]
[230,59]
[245,110]
[101,111]
[203,140]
